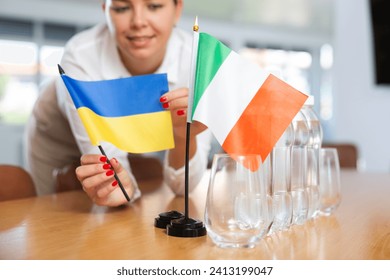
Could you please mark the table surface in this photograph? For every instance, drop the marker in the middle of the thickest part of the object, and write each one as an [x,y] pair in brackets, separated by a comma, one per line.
[68,226]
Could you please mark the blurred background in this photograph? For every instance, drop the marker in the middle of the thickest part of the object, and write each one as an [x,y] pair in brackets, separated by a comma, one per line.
[337,51]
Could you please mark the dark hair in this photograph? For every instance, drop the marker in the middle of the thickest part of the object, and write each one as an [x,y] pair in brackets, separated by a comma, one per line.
[175,1]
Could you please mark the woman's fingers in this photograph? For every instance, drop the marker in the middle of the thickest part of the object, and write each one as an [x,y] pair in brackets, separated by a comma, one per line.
[99,182]
[86,171]
[116,165]
[95,164]
[99,188]
[176,99]
[92,158]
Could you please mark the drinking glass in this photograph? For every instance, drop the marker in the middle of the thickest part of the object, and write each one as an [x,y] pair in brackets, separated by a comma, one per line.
[330,186]
[280,182]
[299,196]
[236,213]
[266,173]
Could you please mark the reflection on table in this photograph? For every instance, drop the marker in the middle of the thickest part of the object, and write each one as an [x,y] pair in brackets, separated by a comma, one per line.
[68,226]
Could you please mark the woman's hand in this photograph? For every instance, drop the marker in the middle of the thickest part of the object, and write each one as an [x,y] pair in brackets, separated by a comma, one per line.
[97,178]
[177,101]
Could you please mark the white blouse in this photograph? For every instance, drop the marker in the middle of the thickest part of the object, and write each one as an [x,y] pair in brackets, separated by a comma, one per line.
[93,55]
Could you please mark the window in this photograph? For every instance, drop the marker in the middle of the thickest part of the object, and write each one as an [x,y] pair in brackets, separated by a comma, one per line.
[326,60]
[29,53]
[18,85]
[298,68]
[291,66]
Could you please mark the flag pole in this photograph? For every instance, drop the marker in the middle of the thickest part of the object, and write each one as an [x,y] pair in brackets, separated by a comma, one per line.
[186,226]
[115,175]
[164,219]
[62,72]
[195,30]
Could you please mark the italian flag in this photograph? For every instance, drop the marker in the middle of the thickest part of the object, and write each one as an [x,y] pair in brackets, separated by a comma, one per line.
[246,108]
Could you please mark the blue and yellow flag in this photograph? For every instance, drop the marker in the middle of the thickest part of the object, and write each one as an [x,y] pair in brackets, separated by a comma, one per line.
[125,112]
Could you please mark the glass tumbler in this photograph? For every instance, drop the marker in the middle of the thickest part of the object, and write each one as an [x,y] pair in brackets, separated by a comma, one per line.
[330,186]
[281,194]
[300,200]
[236,213]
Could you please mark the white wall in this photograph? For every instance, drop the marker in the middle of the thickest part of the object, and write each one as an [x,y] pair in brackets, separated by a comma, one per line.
[361,108]
[81,12]
[362,112]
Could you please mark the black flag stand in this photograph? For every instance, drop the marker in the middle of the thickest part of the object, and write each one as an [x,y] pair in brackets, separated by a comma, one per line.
[176,223]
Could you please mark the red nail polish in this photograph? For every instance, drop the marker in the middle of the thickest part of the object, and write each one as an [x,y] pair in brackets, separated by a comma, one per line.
[109,173]
[165,105]
[163,99]
[180,112]
[103,159]
[114,183]
[106,166]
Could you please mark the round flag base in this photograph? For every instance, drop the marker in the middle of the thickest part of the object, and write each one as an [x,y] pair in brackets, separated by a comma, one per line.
[186,227]
[165,218]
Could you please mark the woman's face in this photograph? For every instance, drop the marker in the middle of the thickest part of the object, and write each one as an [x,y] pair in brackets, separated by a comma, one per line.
[142,28]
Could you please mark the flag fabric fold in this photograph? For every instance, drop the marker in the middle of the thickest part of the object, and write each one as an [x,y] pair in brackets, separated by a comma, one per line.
[125,112]
[246,108]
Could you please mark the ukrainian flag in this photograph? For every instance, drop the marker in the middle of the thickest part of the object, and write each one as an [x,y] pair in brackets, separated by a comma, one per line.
[125,112]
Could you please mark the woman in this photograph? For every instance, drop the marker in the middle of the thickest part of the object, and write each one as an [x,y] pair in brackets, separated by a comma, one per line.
[139,38]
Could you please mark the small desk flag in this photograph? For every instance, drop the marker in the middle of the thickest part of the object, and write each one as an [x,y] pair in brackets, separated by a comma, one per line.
[125,112]
[246,108]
